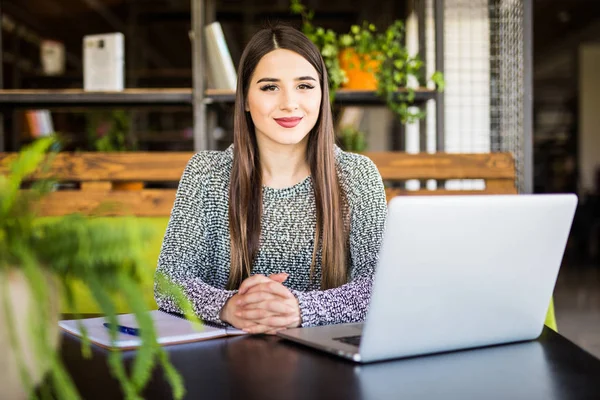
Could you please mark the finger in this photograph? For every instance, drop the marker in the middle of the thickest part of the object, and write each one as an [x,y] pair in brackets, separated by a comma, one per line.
[251,281]
[280,277]
[247,324]
[274,331]
[255,297]
[272,287]
[256,288]
[277,321]
[255,315]
[242,324]
[257,328]
[273,306]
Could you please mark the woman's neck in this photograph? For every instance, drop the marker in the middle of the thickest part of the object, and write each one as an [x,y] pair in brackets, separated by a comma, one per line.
[283,166]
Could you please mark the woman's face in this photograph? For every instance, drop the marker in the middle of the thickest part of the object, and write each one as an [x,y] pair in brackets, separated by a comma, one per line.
[284,98]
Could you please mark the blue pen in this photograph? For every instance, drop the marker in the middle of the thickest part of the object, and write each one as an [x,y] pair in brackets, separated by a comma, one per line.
[124,329]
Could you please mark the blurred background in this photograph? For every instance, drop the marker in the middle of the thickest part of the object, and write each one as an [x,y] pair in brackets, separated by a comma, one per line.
[483,47]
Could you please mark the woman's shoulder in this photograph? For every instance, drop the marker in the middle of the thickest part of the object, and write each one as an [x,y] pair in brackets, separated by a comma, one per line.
[359,177]
[211,163]
[354,166]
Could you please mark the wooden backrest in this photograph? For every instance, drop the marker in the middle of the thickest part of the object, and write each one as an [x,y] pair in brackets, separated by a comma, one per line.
[496,169]
[94,174]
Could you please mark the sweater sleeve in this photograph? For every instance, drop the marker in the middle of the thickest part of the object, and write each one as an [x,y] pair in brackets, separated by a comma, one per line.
[181,257]
[368,208]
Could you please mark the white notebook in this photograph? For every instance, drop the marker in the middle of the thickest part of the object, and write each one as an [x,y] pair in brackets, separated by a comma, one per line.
[170,329]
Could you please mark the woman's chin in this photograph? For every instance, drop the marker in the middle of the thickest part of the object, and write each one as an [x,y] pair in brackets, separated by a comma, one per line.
[289,139]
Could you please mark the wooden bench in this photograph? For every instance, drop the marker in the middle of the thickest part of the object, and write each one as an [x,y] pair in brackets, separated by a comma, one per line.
[496,169]
[92,174]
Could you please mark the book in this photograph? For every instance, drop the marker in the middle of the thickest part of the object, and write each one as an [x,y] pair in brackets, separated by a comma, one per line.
[350,116]
[39,123]
[104,62]
[170,329]
[221,71]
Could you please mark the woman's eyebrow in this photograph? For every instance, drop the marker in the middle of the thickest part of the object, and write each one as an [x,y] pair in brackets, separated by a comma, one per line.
[300,78]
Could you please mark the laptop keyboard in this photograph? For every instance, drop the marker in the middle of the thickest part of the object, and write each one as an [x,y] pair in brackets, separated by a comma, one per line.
[352,340]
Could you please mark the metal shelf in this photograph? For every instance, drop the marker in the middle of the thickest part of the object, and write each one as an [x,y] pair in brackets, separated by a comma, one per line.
[79,97]
[196,97]
[343,96]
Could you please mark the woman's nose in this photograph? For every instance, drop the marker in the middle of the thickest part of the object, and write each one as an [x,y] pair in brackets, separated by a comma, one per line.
[289,101]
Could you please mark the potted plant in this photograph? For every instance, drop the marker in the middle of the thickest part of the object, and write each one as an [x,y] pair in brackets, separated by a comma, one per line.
[110,131]
[358,57]
[379,59]
[352,139]
[392,66]
[40,260]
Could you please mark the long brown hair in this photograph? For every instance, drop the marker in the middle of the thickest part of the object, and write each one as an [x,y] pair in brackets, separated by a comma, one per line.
[245,193]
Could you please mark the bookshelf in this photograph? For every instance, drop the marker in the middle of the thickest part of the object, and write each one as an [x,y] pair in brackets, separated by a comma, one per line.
[202,102]
[205,11]
[342,96]
[10,99]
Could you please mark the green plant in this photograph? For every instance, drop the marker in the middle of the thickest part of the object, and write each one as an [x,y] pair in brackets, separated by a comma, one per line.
[327,42]
[74,249]
[396,64]
[362,39]
[352,139]
[110,131]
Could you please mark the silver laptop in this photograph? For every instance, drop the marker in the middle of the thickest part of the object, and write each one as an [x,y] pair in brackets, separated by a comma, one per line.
[456,272]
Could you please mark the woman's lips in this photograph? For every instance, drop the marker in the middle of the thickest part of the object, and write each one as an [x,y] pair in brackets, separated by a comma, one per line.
[288,122]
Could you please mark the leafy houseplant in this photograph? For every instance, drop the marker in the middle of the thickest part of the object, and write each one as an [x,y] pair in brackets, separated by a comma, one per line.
[357,57]
[110,131]
[395,66]
[383,53]
[47,257]
[352,139]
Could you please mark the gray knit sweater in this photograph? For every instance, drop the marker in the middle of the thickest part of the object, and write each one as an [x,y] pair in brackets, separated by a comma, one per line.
[196,248]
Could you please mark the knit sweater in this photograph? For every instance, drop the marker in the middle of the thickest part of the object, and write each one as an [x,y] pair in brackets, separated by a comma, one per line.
[196,248]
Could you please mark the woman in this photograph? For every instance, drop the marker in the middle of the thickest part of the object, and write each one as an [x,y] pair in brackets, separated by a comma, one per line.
[283,228]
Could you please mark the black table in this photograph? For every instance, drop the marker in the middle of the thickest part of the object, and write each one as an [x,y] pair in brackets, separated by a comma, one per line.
[266,367]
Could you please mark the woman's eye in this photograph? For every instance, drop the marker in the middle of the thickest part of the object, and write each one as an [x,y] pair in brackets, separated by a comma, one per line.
[268,88]
[304,86]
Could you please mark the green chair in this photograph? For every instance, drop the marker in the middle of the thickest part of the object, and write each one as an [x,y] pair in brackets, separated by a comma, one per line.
[551,317]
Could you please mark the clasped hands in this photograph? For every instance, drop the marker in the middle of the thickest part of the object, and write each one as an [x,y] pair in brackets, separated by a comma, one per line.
[262,305]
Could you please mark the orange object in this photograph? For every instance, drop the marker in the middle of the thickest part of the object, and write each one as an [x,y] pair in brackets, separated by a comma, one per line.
[358,78]
[128,185]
